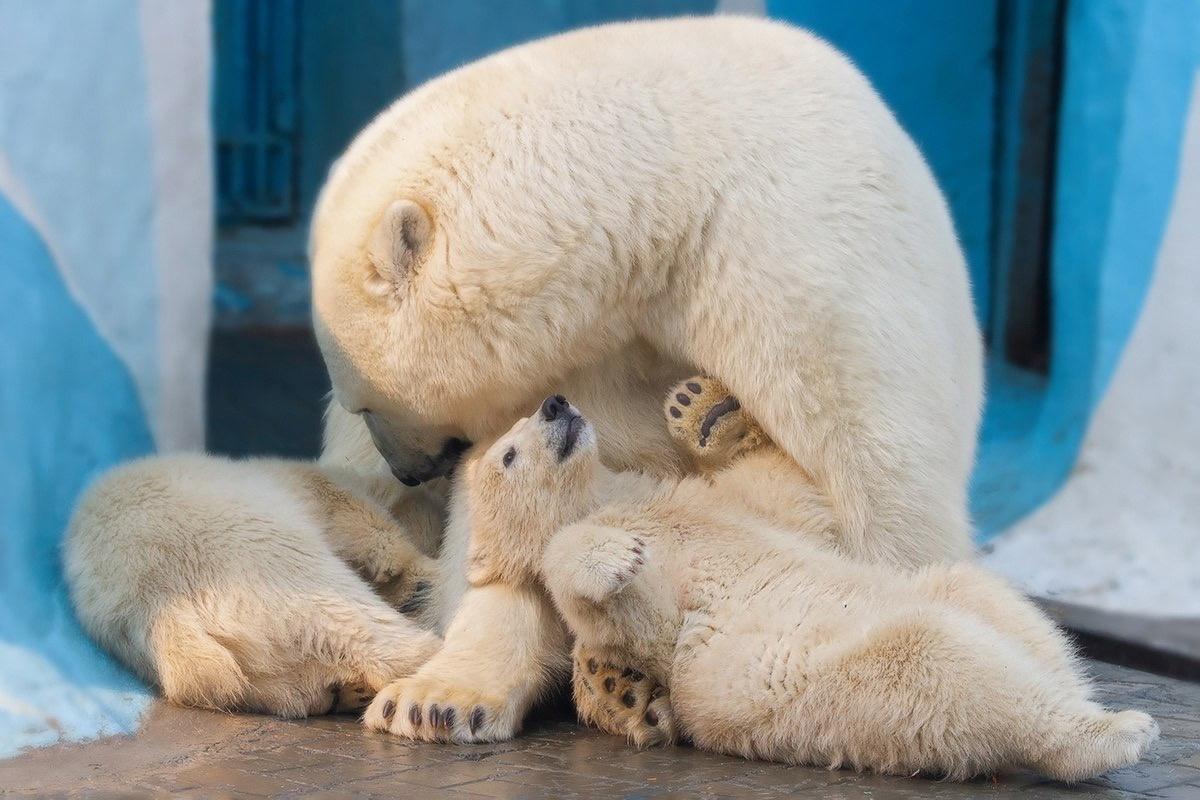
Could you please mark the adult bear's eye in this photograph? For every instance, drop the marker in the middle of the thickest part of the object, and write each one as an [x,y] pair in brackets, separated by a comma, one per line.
[510,456]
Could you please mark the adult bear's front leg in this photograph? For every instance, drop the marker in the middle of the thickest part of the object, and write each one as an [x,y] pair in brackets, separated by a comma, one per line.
[505,647]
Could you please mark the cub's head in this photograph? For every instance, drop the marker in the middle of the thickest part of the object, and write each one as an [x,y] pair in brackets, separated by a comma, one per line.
[535,479]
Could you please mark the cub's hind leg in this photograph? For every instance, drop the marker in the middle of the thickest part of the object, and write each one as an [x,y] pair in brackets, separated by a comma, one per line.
[620,699]
[989,597]
[929,690]
[587,567]
[710,423]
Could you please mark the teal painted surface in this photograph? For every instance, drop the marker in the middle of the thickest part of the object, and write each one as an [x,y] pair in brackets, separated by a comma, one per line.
[441,36]
[256,109]
[934,63]
[1129,68]
[68,409]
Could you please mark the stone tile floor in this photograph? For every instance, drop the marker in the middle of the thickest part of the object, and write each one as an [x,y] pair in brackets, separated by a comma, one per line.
[203,754]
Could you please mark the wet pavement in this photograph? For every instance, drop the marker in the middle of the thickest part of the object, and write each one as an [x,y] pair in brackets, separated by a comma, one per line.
[205,754]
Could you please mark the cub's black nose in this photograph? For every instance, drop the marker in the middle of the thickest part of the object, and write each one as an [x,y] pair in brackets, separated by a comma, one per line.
[553,406]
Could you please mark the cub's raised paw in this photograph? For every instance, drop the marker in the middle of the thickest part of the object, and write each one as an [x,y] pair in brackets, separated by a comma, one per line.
[710,422]
[439,709]
[621,700]
[608,559]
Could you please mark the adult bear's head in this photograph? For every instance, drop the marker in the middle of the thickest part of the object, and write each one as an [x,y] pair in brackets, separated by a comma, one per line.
[446,309]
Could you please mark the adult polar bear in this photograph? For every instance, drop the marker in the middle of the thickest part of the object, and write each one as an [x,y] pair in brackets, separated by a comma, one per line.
[610,210]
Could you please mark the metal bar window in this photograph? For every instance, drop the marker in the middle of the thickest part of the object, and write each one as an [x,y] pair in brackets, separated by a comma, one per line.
[257,86]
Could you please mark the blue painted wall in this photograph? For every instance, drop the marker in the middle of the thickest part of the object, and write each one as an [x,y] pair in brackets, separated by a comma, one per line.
[1128,72]
[100,276]
[68,409]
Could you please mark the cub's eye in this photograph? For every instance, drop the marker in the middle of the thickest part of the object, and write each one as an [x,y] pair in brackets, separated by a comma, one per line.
[510,456]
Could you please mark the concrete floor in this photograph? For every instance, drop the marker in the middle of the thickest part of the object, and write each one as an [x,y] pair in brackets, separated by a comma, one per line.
[203,754]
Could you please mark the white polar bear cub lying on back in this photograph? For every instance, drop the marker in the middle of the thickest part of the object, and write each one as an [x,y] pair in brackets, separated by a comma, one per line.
[770,644]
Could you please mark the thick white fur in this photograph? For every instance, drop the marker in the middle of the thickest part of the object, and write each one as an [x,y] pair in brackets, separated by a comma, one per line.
[775,646]
[252,584]
[608,211]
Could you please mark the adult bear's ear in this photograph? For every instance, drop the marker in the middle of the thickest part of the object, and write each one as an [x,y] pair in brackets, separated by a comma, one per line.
[399,243]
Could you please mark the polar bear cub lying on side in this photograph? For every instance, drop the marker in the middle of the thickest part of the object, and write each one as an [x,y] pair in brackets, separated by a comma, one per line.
[257,585]
[765,643]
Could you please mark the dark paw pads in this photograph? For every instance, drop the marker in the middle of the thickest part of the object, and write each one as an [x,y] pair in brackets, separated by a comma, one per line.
[726,406]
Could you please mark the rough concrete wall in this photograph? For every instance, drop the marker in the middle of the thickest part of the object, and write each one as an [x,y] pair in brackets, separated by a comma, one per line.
[105,246]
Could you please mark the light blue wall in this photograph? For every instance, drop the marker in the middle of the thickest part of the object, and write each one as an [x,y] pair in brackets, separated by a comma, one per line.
[1128,72]
[86,235]
[68,409]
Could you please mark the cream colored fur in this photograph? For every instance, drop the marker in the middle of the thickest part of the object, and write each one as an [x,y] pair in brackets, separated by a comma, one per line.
[252,585]
[608,211]
[772,644]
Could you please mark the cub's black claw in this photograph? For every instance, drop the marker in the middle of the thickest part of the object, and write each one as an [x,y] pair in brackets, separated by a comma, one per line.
[414,715]
[610,684]
[693,387]
[475,721]
[435,716]
[389,710]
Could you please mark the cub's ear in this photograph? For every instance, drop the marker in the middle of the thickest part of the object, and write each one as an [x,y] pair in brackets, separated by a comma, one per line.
[398,244]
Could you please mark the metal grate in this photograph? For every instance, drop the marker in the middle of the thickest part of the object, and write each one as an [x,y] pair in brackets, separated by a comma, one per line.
[257,93]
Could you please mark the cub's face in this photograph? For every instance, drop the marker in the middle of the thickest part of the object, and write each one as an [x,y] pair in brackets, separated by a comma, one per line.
[535,479]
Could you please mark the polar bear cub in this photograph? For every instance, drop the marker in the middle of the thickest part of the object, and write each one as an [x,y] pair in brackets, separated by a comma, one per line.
[256,585]
[766,643]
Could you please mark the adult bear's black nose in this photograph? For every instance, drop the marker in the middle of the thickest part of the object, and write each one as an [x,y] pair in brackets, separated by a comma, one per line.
[553,406]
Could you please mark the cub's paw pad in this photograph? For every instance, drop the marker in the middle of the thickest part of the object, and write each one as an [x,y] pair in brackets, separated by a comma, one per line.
[704,416]
[435,709]
[622,700]
[350,698]
[405,586]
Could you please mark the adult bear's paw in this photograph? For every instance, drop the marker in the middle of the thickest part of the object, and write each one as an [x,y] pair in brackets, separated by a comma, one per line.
[435,708]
